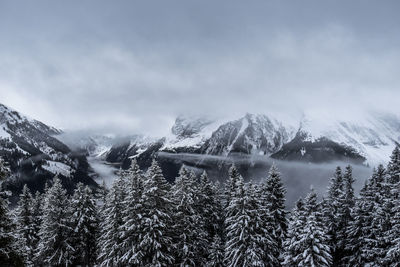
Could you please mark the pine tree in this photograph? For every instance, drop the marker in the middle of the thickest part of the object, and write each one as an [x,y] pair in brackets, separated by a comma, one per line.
[292,243]
[216,255]
[231,184]
[348,201]
[264,243]
[244,243]
[378,220]
[313,244]
[9,255]
[275,201]
[209,206]
[367,244]
[54,247]
[189,227]
[27,237]
[357,228]
[37,215]
[393,168]
[132,214]
[85,223]
[110,235]
[155,242]
[393,235]
[334,212]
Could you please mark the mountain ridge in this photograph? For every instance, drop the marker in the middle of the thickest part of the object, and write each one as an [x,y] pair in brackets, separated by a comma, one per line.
[35,155]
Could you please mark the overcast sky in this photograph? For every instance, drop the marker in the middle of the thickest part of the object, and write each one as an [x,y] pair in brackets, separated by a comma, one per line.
[134,65]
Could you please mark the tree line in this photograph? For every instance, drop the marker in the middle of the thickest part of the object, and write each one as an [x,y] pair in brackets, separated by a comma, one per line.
[143,220]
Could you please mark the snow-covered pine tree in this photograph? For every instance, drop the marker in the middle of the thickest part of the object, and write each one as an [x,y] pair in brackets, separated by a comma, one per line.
[274,199]
[9,255]
[244,244]
[27,236]
[357,228]
[189,226]
[334,213]
[292,243]
[216,253]
[110,252]
[37,215]
[210,208]
[388,212]
[393,168]
[132,214]
[348,206]
[367,243]
[85,224]
[313,244]
[378,223]
[230,184]
[263,245]
[393,255]
[54,247]
[156,225]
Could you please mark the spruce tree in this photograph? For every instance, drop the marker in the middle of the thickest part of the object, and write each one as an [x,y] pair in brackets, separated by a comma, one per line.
[292,243]
[132,213]
[110,235]
[55,244]
[348,202]
[244,243]
[378,220]
[85,224]
[357,228]
[313,244]
[264,238]
[393,255]
[334,213]
[275,201]
[9,254]
[189,226]
[27,237]
[231,184]
[393,168]
[155,241]
[367,244]
[209,205]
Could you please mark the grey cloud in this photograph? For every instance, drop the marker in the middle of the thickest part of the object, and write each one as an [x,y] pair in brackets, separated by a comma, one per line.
[133,66]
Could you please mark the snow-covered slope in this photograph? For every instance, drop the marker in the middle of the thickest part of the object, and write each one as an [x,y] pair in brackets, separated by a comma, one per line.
[35,155]
[190,132]
[373,135]
[251,134]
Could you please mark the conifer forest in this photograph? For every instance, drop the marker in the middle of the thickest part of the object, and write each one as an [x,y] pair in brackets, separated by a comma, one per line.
[143,220]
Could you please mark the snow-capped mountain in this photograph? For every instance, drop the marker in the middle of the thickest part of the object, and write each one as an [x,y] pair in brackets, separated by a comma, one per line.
[372,135]
[313,139]
[251,134]
[35,155]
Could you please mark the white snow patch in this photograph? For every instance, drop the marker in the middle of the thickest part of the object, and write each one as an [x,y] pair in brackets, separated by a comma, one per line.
[196,140]
[3,133]
[57,167]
